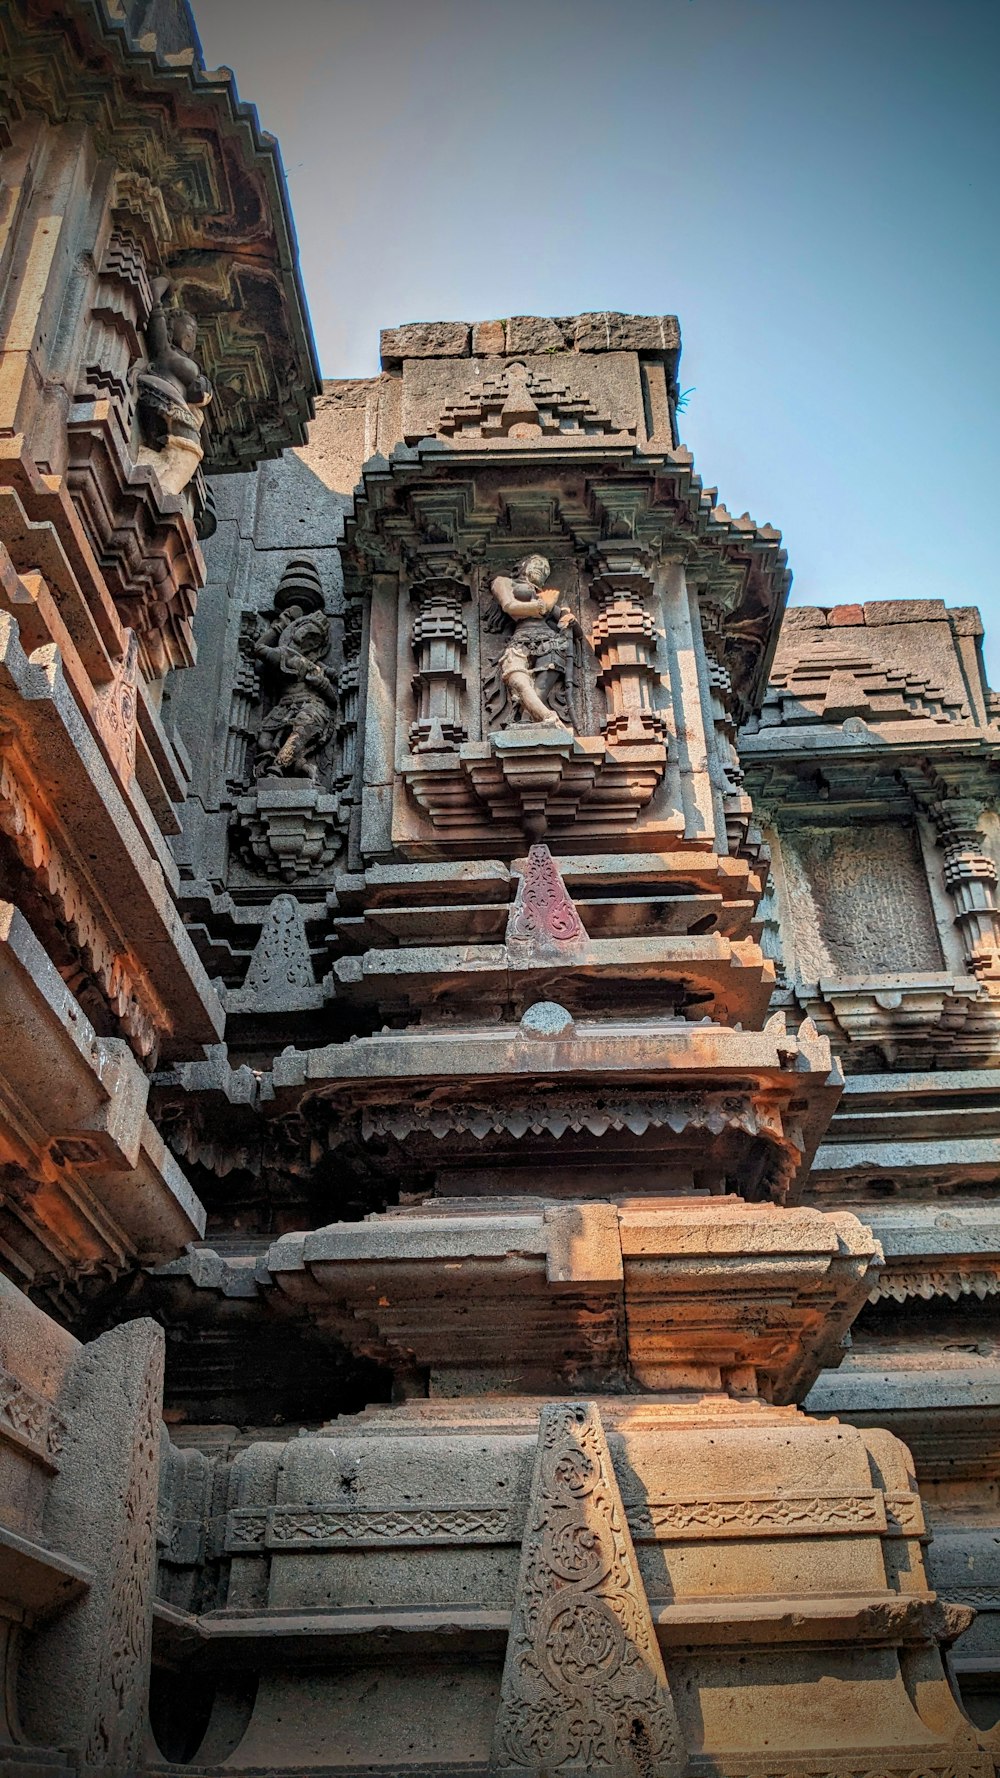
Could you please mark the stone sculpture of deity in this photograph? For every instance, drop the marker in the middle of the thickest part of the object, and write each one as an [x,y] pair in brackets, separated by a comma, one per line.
[538,665]
[171,394]
[295,645]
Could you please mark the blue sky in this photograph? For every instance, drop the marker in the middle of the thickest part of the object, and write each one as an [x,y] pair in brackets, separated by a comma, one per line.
[809,184]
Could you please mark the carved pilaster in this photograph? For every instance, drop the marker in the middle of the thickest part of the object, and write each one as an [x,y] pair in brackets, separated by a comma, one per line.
[139,231]
[347,727]
[970,878]
[243,702]
[440,638]
[737,807]
[625,637]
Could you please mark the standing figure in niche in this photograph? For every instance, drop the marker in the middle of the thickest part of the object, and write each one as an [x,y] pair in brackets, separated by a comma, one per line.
[538,665]
[295,645]
[171,394]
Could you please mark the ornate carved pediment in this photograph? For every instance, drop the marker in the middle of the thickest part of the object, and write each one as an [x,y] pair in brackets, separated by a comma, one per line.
[518,403]
[828,675]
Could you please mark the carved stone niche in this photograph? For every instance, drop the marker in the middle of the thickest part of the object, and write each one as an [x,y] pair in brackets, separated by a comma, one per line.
[528,747]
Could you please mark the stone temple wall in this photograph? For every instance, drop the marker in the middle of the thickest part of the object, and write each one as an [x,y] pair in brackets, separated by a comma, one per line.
[498,1034]
[831,829]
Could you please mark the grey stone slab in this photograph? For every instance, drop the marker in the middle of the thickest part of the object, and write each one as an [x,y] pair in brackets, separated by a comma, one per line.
[424,339]
[904,611]
[889,1391]
[85,1684]
[610,332]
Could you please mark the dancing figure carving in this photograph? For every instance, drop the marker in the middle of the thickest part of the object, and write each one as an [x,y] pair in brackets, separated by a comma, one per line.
[295,645]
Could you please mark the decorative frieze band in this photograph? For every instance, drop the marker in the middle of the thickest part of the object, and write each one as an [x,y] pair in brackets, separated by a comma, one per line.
[904,1515]
[267,1530]
[30,1421]
[253,1530]
[954,1280]
[769,1516]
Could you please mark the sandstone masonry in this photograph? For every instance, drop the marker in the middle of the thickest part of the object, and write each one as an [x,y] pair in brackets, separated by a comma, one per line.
[498,1108]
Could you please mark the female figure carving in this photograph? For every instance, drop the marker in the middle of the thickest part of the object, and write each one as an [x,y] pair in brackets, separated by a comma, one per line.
[538,664]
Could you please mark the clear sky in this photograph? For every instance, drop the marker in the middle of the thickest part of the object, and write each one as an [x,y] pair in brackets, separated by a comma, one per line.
[811,185]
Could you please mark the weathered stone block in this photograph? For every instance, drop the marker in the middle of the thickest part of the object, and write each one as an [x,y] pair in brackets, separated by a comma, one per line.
[84,1679]
[539,333]
[610,332]
[904,611]
[489,339]
[804,617]
[965,620]
[859,901]
[424,339]
[841,615]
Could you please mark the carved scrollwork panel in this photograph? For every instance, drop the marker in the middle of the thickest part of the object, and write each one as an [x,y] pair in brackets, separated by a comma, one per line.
[583,1687]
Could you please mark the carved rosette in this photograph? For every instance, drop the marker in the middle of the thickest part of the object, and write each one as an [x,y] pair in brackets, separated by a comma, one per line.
[584,1689]
[439,639]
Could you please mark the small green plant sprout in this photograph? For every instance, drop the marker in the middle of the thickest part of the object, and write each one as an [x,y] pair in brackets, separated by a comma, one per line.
[682,399]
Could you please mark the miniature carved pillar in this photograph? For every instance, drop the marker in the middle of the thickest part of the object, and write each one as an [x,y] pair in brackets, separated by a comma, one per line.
[737,809]
[130,247]
[440,638]
[971,880]
[349,683]
[625,636]
[243,702]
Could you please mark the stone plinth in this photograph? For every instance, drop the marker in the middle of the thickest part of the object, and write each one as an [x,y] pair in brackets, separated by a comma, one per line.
[779,1560]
